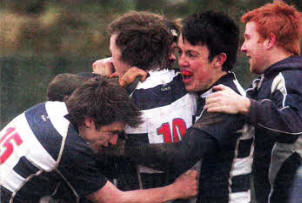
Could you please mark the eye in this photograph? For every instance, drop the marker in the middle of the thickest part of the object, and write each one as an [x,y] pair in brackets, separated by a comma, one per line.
[191,54]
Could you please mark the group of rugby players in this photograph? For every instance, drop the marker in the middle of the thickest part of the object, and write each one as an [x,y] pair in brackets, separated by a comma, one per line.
[156,121]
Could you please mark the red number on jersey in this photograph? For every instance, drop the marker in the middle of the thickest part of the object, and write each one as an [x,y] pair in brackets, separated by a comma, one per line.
[178,129]
[7,144]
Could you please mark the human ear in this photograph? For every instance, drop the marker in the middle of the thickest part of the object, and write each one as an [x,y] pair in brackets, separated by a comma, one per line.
[270,41]
[88,122]
[220,59]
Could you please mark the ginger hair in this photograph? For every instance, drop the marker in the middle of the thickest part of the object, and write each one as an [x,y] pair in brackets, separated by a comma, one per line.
[281,19]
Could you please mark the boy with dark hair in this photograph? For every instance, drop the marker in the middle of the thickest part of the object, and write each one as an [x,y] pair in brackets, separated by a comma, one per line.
[52,145]
[272,36]
[143,39]
[222,142]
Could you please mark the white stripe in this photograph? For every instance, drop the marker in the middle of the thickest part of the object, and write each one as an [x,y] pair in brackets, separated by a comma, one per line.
[156,78]
[242,166]
[240,197]
[238,86]
[30,148]
[279,84]
[13,181]
[184,108]
[56,117]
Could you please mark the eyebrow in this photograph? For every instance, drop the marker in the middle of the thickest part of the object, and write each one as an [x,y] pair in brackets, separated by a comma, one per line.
[116,131]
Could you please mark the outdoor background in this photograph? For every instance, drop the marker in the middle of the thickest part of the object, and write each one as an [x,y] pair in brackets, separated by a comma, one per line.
[42,38]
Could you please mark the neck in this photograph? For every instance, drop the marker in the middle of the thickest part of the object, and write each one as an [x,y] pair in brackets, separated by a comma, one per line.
[278,54]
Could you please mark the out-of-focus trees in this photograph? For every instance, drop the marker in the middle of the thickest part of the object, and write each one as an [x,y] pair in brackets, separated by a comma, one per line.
[41,38]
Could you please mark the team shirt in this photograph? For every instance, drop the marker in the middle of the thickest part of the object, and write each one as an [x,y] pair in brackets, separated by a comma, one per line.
[223,143]
[276,112]
[167,109]
[41,152]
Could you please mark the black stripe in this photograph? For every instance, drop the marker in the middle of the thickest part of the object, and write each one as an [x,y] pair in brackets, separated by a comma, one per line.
[25,168]
[244,148]
[241,183]
[43,129]
[138,138]
[160,95]
[5,195]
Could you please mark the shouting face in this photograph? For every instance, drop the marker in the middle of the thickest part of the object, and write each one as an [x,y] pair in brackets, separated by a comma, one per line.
[198,72]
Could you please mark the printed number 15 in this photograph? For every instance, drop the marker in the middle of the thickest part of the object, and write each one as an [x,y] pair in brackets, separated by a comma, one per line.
[7,144]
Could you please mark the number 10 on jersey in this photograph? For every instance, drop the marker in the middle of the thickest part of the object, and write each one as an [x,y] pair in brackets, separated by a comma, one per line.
[178,130]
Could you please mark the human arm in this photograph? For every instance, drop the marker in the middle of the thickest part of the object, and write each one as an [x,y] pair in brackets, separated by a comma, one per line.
[280,111]
[210,134]
[226,100]
[184,186]
[105,67]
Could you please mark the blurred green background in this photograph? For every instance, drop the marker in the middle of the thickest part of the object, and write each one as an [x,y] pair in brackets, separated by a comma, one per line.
[39,39]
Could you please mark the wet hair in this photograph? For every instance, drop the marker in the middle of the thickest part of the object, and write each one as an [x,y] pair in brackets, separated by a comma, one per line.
[61,87]
[143,39]
[284,21]
[218,32]
[104,101]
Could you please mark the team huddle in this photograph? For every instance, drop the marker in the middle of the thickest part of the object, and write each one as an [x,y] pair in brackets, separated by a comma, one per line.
[164,119]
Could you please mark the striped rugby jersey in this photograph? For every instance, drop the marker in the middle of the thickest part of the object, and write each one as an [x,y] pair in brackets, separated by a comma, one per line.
[227,174]
[40,152]
[167,109]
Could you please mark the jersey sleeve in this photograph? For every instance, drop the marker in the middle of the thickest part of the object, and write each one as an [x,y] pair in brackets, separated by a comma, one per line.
[223,128]
[282,112]
[79,168]
[177,157]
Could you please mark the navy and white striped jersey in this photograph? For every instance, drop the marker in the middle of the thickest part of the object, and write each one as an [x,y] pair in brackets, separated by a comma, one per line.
[276,113]
[167,109]
[223,143]
[40,152]
[227,173]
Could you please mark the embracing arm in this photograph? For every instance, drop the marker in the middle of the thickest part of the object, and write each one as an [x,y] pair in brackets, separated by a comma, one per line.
[179,156]
[184,186]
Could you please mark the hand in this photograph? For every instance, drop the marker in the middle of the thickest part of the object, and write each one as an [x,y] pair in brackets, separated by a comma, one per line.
[226,100]
[186,185]
[130,76]
[103,67]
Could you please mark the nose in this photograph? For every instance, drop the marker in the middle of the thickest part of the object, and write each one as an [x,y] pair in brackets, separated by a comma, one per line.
[243,47]
[182,62]
[113,140]
[172,57]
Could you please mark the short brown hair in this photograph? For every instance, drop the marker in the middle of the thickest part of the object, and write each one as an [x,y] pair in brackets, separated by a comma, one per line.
[104,101]
[62,85]
[143,38]
[282,20]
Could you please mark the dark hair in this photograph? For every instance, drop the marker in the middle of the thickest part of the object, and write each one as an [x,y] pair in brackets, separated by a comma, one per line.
[104,101]
[143,38]
[61,87]
[215,30]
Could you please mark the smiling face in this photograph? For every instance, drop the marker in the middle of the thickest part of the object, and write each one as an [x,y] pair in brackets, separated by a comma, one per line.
[198,72]
[120,66]
[254,48]
[98,138]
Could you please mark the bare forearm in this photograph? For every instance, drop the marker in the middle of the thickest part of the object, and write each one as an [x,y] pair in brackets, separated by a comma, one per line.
[154,195]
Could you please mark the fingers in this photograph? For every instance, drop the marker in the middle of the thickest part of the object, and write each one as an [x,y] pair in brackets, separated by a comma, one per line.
[131,75]
[103,67]
[220,87]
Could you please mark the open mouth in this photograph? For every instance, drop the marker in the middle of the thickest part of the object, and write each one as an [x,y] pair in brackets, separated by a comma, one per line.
[186,74]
